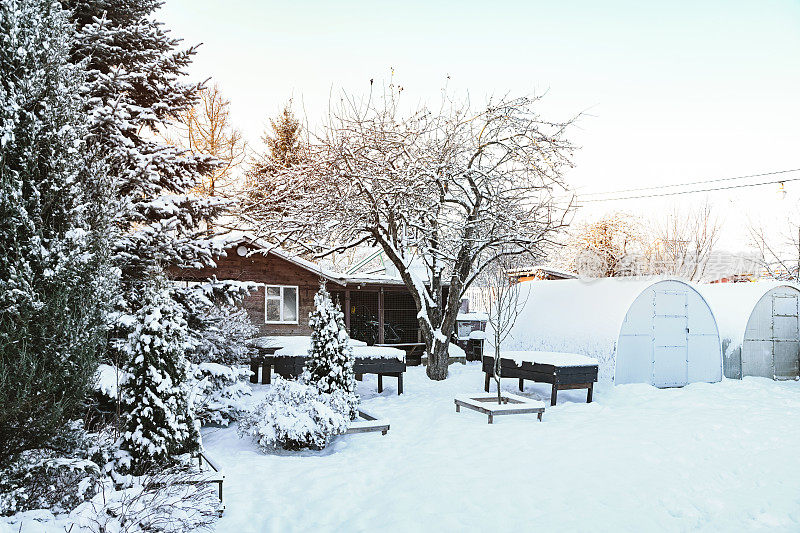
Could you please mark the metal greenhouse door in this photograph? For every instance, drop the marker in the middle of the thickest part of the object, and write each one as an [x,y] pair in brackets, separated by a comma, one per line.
[670,339]
[785,336]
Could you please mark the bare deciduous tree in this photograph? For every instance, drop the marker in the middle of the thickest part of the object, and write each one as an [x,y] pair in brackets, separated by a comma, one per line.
[682,245]
[778,250]
[206,129]
[443,193]
[610,247]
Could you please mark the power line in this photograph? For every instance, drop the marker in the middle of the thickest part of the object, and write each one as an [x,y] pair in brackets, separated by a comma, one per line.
[699,182]
[741,186]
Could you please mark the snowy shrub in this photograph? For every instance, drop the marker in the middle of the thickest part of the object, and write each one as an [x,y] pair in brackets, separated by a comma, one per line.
[169,502]
[58,478]
[295,415]
[219,392]
[40,480]
[218,328]
[330,357]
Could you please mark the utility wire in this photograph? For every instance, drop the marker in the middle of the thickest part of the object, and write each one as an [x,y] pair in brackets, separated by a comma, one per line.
[741,186]
[699,182]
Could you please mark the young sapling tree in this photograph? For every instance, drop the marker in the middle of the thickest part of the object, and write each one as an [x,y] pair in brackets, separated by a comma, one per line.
[505,306]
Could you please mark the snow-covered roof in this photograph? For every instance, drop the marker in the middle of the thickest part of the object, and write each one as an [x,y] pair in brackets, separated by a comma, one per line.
[232,238]
[547,269]
[733,303]
[473,316]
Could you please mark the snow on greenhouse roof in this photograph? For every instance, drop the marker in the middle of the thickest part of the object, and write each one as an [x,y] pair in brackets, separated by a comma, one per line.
[733,303]
[578,309]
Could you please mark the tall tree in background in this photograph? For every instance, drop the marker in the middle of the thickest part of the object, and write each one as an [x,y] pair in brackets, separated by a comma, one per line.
[206,129]
[443,193]
[613,246]
[54,278]
[285,150]
[284,144]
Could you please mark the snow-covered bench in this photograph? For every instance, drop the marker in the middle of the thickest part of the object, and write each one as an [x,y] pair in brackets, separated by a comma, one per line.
[562,370]
[291,352]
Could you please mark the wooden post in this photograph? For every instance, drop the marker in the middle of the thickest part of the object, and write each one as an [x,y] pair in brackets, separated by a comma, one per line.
[254,369]
[521,385]
[486,383]
[554,395]
[381,336]
[399,383]
[490,418]
[347,310]
[380,383]
[589,393]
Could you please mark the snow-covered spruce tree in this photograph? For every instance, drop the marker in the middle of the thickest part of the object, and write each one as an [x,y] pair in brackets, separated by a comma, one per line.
[135,87]
[330,357]
[53,277]
[158,423]
[284,149]
[217,334]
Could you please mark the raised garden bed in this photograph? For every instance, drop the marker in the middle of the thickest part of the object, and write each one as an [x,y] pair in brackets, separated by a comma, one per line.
[512,405]
[563,371]
[292,366]
[366,423]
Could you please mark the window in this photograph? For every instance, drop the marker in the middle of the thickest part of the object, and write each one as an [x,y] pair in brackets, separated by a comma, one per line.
[280,305]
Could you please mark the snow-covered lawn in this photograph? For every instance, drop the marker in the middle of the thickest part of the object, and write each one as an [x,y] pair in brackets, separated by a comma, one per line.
[715,457]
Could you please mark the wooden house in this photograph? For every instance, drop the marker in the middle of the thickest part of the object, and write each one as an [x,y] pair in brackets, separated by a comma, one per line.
[378,309]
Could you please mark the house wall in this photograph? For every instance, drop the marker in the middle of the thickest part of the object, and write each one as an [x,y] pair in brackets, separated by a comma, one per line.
[264,270]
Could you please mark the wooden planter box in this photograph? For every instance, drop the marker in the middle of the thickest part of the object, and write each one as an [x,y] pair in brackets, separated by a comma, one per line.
[292,366]
[512,405]
[367,423]
[561,377]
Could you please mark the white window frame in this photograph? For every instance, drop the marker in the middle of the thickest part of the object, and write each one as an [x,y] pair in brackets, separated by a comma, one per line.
[267,298]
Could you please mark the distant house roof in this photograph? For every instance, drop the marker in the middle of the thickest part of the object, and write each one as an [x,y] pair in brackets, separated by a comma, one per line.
[543,271]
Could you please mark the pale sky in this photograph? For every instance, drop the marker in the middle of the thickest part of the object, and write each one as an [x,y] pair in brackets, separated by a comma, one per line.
[674,91]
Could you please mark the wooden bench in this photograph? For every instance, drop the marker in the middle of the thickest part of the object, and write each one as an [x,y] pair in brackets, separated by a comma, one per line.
[561,377]
[292,366]
[414,351]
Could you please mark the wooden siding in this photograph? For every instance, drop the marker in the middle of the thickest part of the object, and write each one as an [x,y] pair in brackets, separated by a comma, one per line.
[264,270]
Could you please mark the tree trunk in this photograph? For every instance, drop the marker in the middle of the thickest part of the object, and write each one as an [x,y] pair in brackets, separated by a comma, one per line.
[437,361]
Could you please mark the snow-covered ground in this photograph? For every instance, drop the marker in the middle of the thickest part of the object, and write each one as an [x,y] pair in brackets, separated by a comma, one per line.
[713,457]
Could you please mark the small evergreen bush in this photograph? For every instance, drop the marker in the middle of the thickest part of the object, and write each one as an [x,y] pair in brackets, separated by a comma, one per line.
[295,415]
